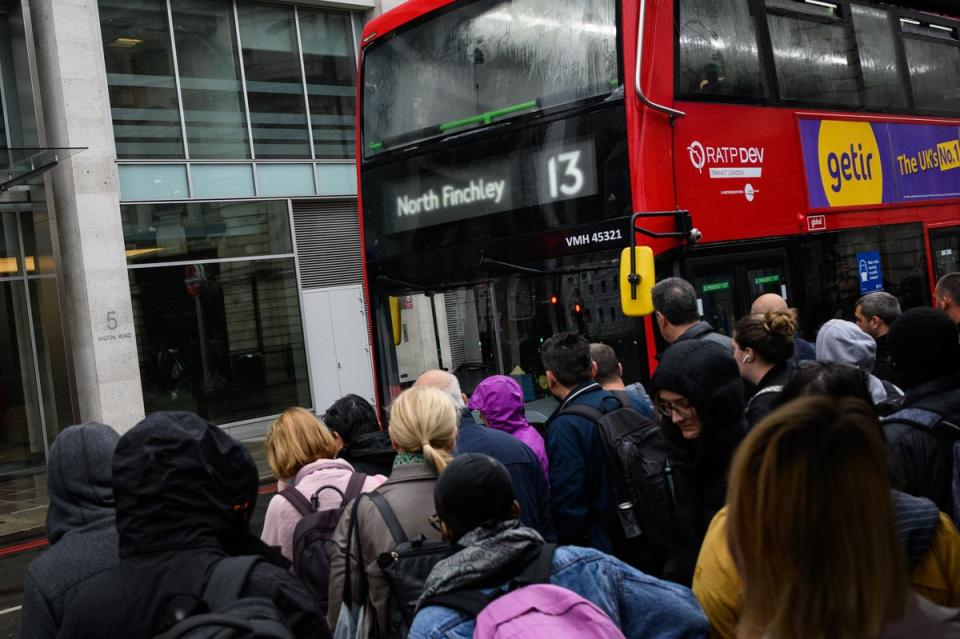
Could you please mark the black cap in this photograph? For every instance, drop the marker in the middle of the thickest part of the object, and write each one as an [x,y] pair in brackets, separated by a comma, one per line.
[473,489]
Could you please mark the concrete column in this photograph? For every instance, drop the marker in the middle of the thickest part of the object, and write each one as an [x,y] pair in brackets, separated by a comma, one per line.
[76,112]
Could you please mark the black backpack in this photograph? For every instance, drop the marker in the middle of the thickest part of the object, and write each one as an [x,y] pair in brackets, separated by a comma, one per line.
[406,569]
[313,535]
[641,481]
[221,613]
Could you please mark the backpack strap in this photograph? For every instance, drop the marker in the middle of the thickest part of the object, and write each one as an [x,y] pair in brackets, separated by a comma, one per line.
[354,487]
[396,530]
[580,410]
[766,390]
[924,419]
[297,500]
[227,580]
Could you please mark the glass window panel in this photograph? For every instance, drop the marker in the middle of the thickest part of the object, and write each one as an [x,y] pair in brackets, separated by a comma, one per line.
[222,180]
[337,179]
[20,427]
[37,242]
[813,61]
[153,182]
[274,83]
[285,179]
[487,57]
[331,68]
[51,355]
[205,230]
[223,340]
[210,79]
[718,50]
[143,93]
[877,44]
[934,73]
[9,246]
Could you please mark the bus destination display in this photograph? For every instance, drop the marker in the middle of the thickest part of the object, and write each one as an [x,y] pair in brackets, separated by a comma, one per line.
[440,195]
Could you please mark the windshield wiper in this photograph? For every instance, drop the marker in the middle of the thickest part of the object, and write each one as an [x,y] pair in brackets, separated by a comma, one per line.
[488,117]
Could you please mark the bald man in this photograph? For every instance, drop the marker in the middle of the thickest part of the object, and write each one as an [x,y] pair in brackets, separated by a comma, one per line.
[802,349]
[529,482]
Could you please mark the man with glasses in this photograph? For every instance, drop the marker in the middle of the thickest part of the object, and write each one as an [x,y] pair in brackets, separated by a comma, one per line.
[699,398]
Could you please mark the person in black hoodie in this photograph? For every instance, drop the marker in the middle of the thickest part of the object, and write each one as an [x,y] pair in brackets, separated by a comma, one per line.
[184,493]
[80,527]
[924,348]
[699,399]
[354,423]
[763,346]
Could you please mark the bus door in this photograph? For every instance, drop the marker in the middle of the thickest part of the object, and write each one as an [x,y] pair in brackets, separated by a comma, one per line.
[727,286]
[945,249]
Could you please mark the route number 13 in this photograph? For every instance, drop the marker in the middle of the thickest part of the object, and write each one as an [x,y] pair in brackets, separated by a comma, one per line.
[565,174]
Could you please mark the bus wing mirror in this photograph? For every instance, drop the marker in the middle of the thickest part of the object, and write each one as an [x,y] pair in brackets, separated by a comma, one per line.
[637,278]
[395,320]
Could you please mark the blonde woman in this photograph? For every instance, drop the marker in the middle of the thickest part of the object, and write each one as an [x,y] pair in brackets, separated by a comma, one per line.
[300,451]
[811,530]
[423,429]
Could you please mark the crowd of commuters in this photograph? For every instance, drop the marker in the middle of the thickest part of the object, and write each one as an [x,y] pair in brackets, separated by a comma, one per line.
[765,487]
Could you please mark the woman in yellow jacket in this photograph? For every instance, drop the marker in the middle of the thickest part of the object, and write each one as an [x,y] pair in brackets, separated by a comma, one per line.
[929,537]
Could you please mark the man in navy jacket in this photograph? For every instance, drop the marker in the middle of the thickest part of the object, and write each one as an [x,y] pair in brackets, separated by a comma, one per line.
[529,484]
[579,473]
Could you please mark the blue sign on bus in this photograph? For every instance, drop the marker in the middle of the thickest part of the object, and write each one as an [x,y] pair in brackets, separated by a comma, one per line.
[869,272]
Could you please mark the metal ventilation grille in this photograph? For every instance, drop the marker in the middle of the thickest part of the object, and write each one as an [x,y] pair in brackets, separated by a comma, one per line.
[328,243]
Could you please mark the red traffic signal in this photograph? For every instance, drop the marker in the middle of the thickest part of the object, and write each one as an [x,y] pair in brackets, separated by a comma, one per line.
[577,308]
[554,299]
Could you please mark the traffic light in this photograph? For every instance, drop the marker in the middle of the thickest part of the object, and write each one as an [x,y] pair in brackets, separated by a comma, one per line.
[554,300]
[577,308]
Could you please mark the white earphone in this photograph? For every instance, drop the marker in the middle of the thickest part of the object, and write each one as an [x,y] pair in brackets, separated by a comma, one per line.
[747,359]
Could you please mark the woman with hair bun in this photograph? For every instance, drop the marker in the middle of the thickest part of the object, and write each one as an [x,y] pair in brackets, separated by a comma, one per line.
[763,346]
[423,429]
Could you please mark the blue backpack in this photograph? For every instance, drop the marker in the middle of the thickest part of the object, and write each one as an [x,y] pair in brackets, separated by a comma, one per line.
[936,424]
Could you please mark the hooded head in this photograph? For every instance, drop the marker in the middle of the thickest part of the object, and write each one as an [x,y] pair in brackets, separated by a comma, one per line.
[500,400]
[180,482]
[844,342]
[706,374]
[923,345]
[78,478]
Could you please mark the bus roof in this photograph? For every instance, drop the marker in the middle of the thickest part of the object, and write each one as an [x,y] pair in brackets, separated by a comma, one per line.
[398,16]
[413,9]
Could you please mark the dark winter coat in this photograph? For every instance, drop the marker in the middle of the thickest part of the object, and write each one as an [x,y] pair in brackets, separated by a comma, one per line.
[80,527]
[184,491]
[530,486]
[706,375]
[762,404]
[371,453]
[922,461]
[579,472]
[703,331]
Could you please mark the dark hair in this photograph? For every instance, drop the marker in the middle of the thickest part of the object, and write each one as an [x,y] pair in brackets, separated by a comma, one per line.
[567,356]
[833,379]
[770,335]
[880,304]
[949,285]
[351,416]
[607,362]
[676,300]
[924,345]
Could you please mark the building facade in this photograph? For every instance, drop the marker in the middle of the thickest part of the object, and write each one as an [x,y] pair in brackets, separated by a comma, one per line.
[178,214]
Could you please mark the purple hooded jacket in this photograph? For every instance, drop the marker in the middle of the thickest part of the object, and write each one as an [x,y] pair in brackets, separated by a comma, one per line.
[500,401]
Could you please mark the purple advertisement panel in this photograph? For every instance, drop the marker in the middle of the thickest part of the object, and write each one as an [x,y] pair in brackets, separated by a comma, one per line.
[857,163]
[926,161]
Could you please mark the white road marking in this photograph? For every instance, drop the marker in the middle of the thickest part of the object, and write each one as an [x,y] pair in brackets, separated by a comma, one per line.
[9,610]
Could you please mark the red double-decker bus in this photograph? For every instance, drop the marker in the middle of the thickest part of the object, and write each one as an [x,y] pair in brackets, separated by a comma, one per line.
[503,146]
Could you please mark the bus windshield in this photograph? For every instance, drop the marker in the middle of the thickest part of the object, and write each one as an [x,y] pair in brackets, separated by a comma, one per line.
[484,61]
